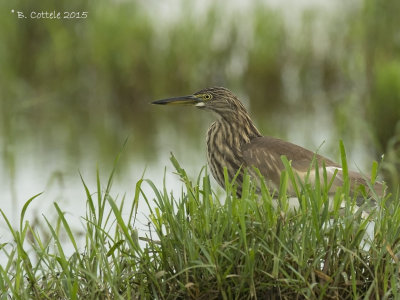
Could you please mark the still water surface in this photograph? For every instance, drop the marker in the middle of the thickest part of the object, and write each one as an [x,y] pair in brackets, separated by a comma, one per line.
[38,169]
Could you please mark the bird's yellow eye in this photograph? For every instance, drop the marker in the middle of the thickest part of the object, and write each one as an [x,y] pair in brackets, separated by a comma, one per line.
[207,97]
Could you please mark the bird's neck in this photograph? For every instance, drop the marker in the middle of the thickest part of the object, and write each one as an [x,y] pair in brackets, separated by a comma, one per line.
[238,130]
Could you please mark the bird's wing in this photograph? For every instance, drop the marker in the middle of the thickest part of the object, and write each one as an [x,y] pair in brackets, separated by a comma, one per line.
[265,153]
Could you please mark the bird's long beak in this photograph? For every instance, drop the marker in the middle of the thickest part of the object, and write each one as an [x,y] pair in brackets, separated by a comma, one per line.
[184,100]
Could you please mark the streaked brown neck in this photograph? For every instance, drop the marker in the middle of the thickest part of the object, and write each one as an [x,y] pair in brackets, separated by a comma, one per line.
[225,139]
[237,127]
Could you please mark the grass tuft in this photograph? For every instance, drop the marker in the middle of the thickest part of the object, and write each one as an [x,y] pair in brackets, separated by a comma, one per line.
[202,246]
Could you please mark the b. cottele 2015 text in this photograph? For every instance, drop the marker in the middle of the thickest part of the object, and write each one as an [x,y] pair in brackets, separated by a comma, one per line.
[53,15]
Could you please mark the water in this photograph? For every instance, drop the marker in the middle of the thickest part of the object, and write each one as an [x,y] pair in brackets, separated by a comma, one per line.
[51,172]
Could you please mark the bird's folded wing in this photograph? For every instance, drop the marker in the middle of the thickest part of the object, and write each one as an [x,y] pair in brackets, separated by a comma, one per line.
[264,153]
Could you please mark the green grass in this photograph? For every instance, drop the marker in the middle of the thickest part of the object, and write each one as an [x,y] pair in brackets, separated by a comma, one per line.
[203,246]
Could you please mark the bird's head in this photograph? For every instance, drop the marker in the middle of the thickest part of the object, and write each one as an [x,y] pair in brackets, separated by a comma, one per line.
[217,99]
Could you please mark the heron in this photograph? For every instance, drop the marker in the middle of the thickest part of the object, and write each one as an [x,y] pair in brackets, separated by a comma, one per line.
[234,142]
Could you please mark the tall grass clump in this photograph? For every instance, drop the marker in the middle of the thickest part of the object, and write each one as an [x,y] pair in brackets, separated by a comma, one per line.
[204,246]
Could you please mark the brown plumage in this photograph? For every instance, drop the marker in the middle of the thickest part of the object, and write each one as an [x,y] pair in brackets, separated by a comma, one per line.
[234,142]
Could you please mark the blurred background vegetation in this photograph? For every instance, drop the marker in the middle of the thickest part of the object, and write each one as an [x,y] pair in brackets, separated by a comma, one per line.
[80,87]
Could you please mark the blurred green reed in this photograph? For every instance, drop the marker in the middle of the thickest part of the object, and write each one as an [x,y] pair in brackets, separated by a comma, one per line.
[76,83]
